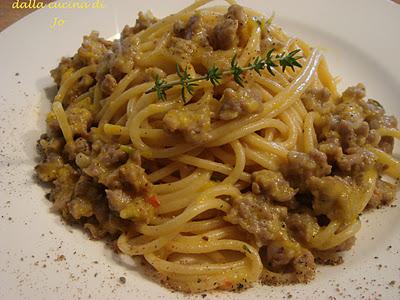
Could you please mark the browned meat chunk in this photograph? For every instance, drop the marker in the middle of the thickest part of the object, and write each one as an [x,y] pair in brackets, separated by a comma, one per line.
[108,177]
[118,199]
[331,147]
[112,168]
[384,194]
[105,222]
[239,102]
[303,226]
[352,134]
[65,67]
[272,185]
[377,119]
[224,35]
[113,156]
[143,22]
[119,61]
[47,145]
[302,166]
[108,85]
[80,145]
[47,171]
[93,49]
[257,216]
[302,267]
[87,187]
[360,160]
[317,100]
[80,119]
[63,189]
[86,194]
[354,122]
[357,158]
[354,93]
[193,121]
[348,122]
[80,207]
[236,12]
[383,121]
[386,144]
[136,177]
[103,166]
[129,206]
[277,257]
[332,196]
[188,30]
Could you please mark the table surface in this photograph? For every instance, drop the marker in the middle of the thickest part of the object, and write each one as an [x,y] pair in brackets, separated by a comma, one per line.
[8,15]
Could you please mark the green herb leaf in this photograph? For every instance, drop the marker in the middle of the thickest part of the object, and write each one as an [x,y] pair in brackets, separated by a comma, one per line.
[236,71]
[245,248]
[376,103]
[214,74]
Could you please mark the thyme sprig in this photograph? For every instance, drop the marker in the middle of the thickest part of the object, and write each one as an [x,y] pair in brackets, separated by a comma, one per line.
[214,74]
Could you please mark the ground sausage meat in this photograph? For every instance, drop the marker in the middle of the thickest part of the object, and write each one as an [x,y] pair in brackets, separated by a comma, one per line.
[79,119]
[193,121]
[384,194]
[302,166]
[136,177]
[144,21]
[47,171]
[257,216]
[93,48]
[303,226]
[108,84]
[357,161]
[332,195]
[188,30]
[272,184]
[317,99]
[224,35]
[237,102]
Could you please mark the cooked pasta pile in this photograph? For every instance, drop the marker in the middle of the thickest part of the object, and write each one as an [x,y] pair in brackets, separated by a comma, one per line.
[242,182]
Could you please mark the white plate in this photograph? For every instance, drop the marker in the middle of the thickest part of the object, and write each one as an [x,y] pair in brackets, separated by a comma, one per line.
[361,41]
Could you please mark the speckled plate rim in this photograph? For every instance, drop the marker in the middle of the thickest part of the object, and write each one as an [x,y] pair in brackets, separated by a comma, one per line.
[41,258]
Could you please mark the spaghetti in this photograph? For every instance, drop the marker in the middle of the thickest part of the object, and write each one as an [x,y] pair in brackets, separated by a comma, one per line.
[241,182]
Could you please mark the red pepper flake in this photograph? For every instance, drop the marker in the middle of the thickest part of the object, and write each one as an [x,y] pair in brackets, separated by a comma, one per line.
[153,200]
[227,284]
